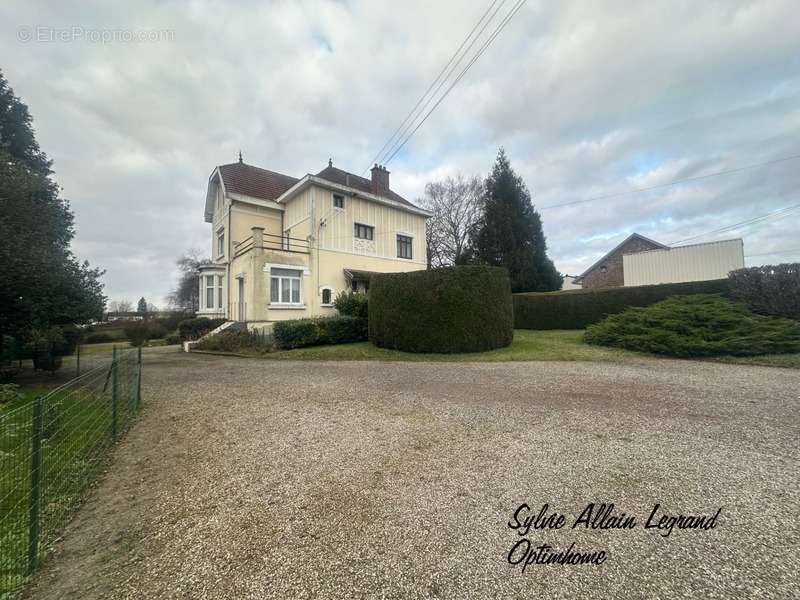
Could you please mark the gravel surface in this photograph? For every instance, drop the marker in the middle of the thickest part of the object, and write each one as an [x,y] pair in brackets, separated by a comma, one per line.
[257,479]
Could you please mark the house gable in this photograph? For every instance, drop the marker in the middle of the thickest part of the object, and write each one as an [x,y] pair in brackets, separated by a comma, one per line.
[609,270]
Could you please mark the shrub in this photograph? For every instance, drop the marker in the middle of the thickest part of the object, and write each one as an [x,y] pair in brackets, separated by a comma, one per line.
[769,290]
[297,333]
[237,341]
[352,304]
[47,346]
[454,309]
[172,339]
[137,332]
[156,331]
[192,329]
[99,337]
[575,309]
[698,325]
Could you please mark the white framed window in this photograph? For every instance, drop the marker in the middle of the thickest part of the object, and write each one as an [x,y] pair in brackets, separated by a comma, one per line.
[209,285]
[327,296]
[220,243]
[405,245]
[338,201]
[363,232]
[219,291]
[285,286]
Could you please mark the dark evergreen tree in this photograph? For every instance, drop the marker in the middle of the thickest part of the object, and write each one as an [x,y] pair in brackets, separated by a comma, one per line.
[141,307]
[44,285]
[509,234]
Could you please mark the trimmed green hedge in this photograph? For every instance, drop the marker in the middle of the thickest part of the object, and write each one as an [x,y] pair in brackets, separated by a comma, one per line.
[575,309]
[297,333]
[455,309]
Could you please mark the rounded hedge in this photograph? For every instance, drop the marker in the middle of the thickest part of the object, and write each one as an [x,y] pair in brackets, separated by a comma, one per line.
[454,309]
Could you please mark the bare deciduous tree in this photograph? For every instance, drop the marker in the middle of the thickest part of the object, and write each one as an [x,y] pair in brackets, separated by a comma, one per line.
[187,293]
[117,306]
[456,204]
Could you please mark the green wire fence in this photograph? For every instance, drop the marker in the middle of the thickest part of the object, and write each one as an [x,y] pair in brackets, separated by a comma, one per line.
[51,450]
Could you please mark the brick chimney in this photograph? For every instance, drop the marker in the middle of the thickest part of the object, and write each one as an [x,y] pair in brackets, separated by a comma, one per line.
[380,180]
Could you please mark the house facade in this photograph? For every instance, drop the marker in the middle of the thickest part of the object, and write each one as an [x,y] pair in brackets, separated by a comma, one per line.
[609,271]
[284,247]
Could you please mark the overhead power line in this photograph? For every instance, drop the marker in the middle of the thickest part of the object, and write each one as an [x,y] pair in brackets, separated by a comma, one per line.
[391,139]
[477,55]
[759,220]
[671,183]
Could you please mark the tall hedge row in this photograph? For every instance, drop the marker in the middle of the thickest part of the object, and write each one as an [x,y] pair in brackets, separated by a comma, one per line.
[575,309]
[454,309]
[769,290]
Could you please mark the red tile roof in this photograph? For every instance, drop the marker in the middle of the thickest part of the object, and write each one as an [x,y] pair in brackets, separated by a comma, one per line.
[334,175]
[241,178]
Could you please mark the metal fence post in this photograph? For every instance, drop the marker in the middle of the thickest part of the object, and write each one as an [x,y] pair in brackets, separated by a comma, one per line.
[139,381]
[36,465]
[114,395]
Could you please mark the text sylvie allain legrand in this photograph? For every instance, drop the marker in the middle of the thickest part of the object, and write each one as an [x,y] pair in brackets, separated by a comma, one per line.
[526,522]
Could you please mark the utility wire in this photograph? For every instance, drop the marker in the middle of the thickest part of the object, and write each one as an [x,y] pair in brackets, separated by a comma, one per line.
[435,81]
[778,214]
[482,49]
[673,182]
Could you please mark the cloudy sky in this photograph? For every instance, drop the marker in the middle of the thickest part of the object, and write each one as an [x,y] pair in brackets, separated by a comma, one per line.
[588,98]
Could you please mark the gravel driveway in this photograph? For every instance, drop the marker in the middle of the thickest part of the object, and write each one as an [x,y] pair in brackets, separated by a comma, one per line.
[260,479]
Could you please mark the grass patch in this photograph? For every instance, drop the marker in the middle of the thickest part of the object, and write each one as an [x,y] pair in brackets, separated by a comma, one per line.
[78,426]
[528,345]
[786,361]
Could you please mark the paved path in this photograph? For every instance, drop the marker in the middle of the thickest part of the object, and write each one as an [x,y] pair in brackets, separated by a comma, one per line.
[259,479]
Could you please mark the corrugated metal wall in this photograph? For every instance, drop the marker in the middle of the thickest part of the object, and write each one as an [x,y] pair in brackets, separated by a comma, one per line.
[697,262]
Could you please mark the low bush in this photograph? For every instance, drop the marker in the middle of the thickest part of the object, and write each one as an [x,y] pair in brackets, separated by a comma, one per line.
[192,329]
[137,332]
[575,309]
[237,341]
[768,290]
[99,337]
[352,304]
[297,333]
[454,309]
[697,325]
[156,331]
[172,339]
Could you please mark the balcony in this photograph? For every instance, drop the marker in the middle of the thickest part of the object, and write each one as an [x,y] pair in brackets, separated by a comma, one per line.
[268,241]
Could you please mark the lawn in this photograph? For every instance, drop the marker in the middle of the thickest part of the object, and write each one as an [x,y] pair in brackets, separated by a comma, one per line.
[527,345]
[79,423]
[786,361]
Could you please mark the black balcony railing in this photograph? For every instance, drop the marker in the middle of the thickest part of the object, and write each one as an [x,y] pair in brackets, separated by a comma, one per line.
[282,243]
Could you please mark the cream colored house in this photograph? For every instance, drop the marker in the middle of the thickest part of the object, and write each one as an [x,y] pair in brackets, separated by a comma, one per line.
[283,248]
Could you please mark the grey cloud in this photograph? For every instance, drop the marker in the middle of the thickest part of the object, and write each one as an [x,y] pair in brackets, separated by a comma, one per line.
[587,98]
